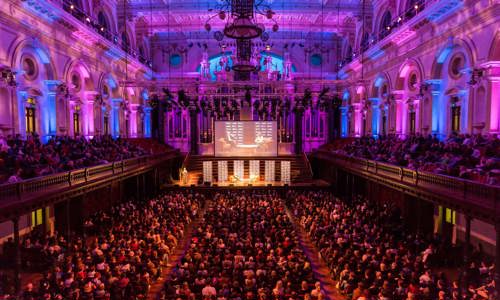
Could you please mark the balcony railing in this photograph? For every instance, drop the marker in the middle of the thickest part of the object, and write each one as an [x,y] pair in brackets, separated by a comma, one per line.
[473,193]
[12,192]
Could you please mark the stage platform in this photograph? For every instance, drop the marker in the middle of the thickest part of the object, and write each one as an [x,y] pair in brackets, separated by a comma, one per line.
[300,170]
[260,184]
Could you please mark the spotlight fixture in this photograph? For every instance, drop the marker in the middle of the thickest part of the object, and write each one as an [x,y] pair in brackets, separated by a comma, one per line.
[416,6]
[72,7]
[102,28]
[87,19]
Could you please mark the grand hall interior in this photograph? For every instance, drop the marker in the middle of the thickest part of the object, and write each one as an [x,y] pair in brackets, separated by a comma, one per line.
[250,149]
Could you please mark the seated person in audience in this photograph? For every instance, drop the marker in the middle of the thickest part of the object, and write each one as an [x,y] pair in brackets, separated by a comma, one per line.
[457,156]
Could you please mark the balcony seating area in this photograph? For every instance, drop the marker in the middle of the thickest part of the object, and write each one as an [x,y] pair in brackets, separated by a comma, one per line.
[472,157]
[22,159]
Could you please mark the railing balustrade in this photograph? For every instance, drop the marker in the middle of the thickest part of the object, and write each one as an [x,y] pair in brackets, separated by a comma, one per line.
[470,191]
[18,190]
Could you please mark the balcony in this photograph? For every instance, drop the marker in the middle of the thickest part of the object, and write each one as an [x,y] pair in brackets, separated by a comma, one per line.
[32,193]
[477,199]
[404,27]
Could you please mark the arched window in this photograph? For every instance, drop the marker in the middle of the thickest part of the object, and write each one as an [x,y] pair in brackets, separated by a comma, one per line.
[103,22]
[78,4]
[365,41]
[125,41]
[141,51]
[349,53]
[385,25]
[413,7]
[30,115]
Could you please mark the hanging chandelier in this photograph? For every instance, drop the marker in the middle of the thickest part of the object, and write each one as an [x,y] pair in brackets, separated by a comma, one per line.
[247,60]
[240,17]
[242,26]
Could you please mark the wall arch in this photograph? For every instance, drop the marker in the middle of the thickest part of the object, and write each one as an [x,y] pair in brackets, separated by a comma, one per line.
[38,51]
[406,69]
[37,91]
[494,54]
[386,10]
[445,52]
[452,95]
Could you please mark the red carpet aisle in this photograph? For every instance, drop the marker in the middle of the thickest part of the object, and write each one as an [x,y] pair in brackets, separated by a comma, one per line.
[319,267]
[174,259]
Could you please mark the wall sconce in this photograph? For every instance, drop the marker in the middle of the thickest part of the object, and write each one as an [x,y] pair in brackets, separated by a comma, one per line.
[423,88]
[476,75]
[9,77]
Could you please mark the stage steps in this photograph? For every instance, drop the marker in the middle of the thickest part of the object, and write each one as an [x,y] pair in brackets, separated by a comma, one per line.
[300,171]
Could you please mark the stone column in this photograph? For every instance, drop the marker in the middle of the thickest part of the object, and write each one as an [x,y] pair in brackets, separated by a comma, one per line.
[87,117]
[375,121]
[437,126]
[17,256]
[193,117]
[468,220]
[48,110]
[299,113]
[400,113]
[115,117]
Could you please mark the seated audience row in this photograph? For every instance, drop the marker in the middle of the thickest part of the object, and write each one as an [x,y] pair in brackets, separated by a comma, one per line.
[245,248]
[372,257]
[27,158]
[473,157]
[122,254]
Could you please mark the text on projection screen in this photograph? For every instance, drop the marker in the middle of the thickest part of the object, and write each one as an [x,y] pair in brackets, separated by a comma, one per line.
[246,138]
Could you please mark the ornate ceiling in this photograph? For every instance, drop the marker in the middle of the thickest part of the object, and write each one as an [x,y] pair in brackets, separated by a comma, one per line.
[187,17]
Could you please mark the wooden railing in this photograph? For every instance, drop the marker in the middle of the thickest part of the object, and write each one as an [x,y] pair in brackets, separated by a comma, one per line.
[472,192]
[19,190]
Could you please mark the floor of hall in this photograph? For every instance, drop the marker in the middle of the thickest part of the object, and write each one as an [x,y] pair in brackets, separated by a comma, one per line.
[319,267]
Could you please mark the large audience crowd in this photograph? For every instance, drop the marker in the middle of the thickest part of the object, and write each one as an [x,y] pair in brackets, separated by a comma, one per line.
[372,257]
[245,248]
[27,158]
[474,157]
[122,253]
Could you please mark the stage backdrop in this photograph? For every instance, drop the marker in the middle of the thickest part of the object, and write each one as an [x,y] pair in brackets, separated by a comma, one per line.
[246,138]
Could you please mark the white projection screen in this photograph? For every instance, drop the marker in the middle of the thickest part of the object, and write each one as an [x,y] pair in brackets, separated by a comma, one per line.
[246,138]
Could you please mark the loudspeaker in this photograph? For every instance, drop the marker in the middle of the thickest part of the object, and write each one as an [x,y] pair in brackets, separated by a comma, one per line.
[207,183]
[176,185]
[231,184]
[215,184]
[286,185]
[269,184]
[249,184]
[193,185]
